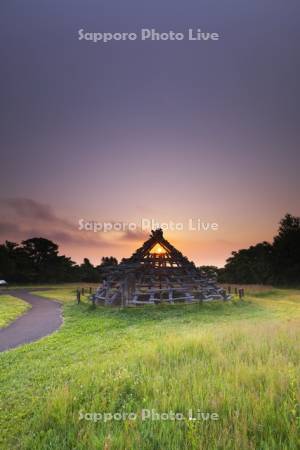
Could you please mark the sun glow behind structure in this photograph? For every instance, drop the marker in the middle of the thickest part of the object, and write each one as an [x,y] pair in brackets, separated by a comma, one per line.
[158,249]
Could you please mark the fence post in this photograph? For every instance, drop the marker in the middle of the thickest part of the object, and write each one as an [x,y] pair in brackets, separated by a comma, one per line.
[78,296]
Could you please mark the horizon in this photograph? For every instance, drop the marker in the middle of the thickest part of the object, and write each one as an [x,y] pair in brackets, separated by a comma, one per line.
[135,239]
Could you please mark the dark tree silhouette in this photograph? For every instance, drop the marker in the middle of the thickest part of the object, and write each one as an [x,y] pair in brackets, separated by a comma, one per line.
[252,265]
[108,261]
[87,272]
[277,263]
[37,260]
[286,251]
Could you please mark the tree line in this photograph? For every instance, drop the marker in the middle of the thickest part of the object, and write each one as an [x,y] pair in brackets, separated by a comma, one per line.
[276,263]
[37,260]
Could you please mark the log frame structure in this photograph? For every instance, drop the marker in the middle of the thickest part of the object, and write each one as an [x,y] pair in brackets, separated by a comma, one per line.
[156,273]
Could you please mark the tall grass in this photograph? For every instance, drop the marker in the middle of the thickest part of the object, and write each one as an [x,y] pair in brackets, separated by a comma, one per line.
[240,360]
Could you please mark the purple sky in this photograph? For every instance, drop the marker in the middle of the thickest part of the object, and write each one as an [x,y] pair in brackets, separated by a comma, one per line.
[163,130]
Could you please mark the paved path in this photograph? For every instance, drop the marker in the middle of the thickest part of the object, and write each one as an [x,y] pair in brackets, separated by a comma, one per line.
[42,319]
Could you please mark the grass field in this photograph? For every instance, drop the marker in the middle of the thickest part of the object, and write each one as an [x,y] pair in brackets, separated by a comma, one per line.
[10,309]
[239,360]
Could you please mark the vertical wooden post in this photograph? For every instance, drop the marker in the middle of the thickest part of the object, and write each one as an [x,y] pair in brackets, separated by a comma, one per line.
[240,293]
[78,296]
[236,291]
[200,298]
[90,289]
[107,286]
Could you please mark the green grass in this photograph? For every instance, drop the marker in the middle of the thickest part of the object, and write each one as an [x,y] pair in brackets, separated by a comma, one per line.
[63,295]
[240,360]
[10,309]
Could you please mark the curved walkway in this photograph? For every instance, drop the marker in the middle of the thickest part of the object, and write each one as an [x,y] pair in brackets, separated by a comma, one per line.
[41,320]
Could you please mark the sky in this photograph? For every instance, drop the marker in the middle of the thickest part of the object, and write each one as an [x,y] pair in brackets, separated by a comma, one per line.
[164,130]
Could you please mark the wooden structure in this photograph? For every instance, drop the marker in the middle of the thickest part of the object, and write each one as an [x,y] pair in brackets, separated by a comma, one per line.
[157,272]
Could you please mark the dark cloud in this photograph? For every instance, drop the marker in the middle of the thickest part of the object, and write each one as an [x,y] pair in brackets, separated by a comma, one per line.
[78,238]
[8,227]
[25,213]
[29,208]
[137,235]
